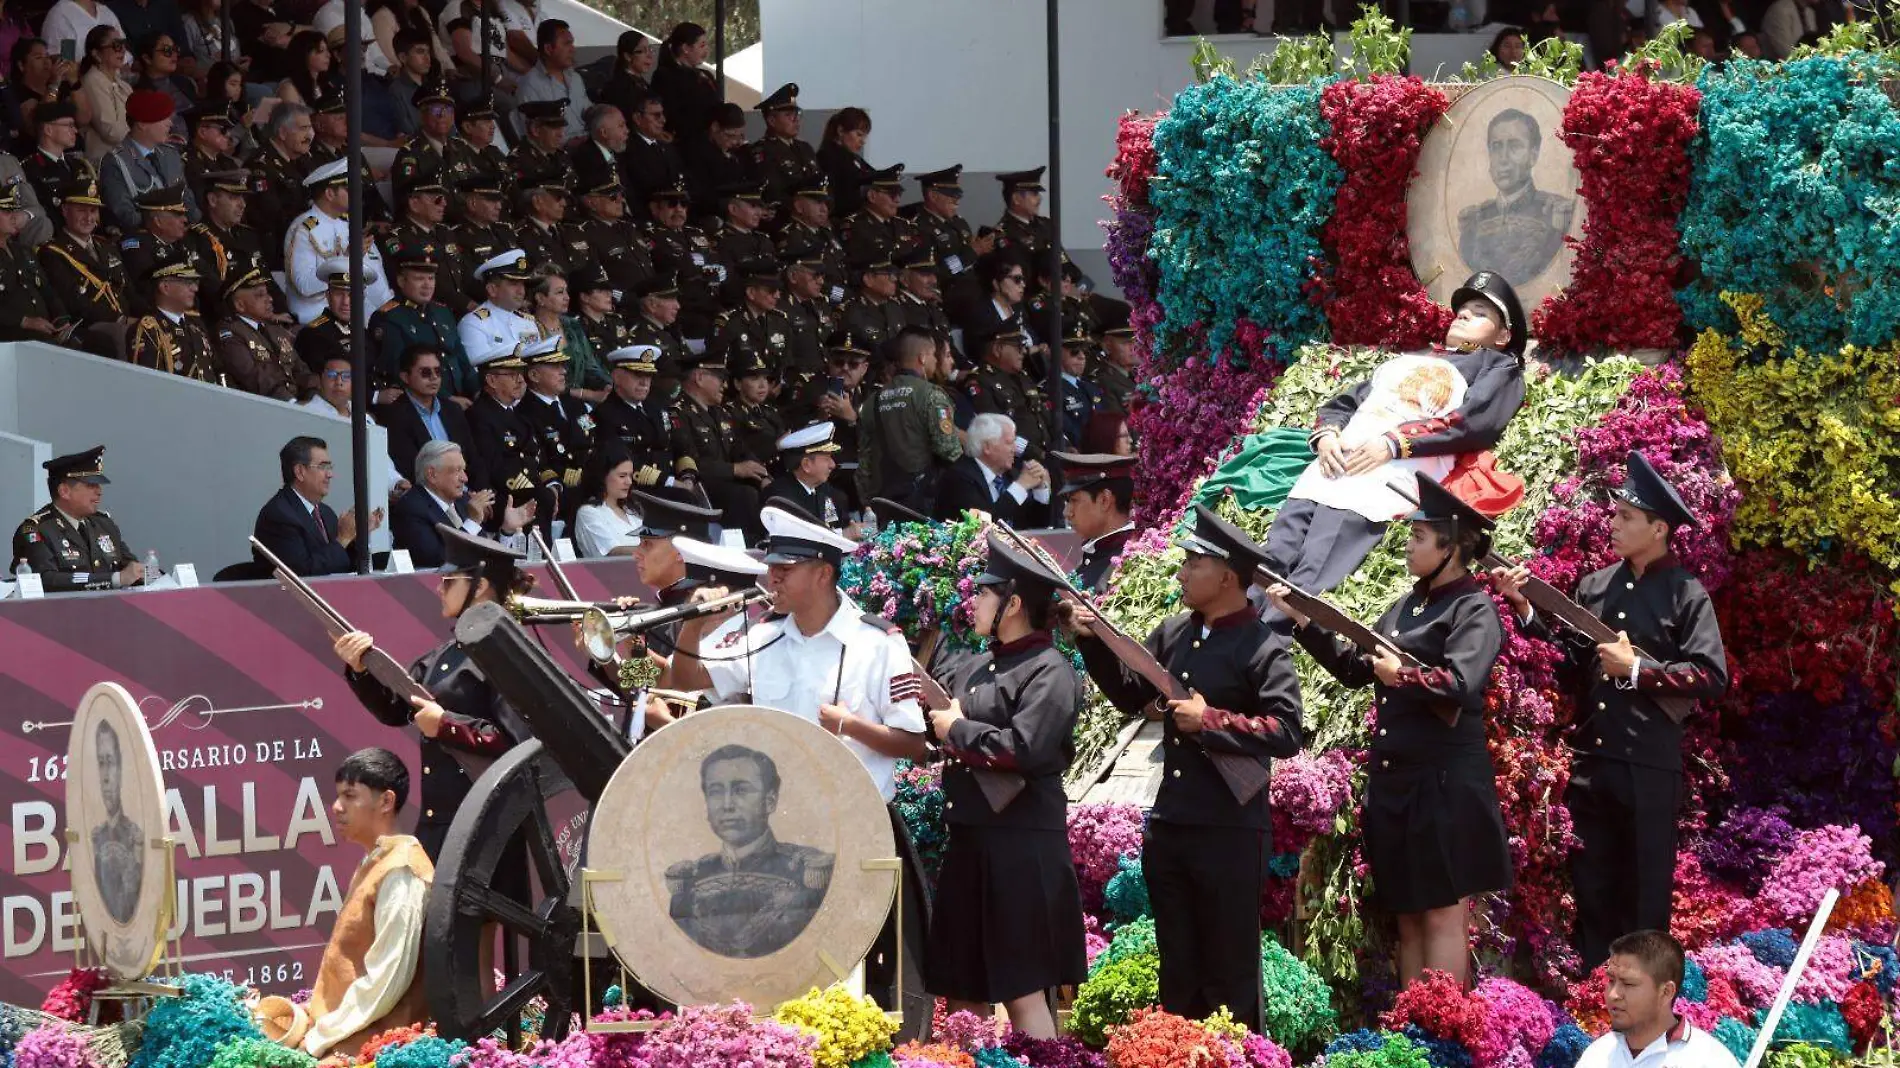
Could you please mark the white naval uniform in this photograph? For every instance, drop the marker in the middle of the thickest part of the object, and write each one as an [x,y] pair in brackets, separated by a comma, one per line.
[313,238]
[488,329]
[797,674]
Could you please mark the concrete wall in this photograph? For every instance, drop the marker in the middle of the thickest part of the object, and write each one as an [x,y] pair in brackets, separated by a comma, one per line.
[190,463]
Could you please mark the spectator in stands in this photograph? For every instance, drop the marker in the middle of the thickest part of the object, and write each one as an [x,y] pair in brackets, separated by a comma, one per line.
[1673,11]
[335,382]
[141,20]
[203,40]
[549,301]
[596,159]
[633,418]
[72,543]
[36,78]
[295,524]
[53,164]
[226,246]
[440,495]
[1745,46]
[1507,48]
[266,35]
[1107,434]
[591,294]
[210,150]
[161,233]
[328,21]
[415,317]
[465,44]
[1005,281]
[683,83]
[621,256]
[716,162]
[17,23]
[632,79]
[1785,24]
[388,18]
[277,173]
[328,335]
[657,324]
[604,524]
[75,21]
[842,158]
[652,162]
[497,325]
[415,60]
[875,233]
[318,235]
[522,20]
[421,414]
[554,78]
[309,80]
[225,92]
[540,159]
[102,79]
[30,310]
[145,161]
[981,478]
[257,354]
[87,272]
[157,56]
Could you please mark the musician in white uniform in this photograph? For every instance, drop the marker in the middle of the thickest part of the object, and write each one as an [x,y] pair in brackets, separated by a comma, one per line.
[321,233]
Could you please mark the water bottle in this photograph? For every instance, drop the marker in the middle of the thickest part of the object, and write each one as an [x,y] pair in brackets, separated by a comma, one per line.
[534,549]
[20,570]
[867,519]
[151,565]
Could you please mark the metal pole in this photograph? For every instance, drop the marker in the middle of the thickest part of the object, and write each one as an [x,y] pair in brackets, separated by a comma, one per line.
[1053,324]
[488,71]
[226,32]
[359,381]
[719,47]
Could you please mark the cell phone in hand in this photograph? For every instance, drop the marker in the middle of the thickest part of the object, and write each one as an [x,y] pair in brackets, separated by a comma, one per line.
[68,49]
[836,385]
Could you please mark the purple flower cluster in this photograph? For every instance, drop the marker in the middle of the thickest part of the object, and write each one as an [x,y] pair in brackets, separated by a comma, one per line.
[1747,843]
[1311,790]
[1825,857]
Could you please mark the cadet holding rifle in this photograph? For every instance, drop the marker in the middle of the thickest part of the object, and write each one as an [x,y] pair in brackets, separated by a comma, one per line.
[1205,851]
[1433,832]
[1632,695]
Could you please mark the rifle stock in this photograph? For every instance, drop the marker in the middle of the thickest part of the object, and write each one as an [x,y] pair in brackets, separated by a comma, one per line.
[378,664]
[999,787]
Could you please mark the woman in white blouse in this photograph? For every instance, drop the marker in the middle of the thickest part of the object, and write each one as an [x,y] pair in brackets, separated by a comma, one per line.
[604,525]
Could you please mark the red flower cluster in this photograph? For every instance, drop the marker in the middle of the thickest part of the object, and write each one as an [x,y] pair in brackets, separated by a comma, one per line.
[1863,1011]
[1157,1039]
[1629,137]
[72,998]
[1585,1004]
[1441,1006]
[1134,164]
[1372,296]
[394,1037]
[1844,633]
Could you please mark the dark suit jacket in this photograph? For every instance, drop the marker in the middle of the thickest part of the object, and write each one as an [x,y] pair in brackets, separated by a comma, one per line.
[963,487]
[286,528]
[412,521]
[407,436]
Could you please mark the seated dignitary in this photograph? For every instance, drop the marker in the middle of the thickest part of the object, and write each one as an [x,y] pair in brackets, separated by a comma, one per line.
[819,657]
[370,978]
[295,524]
[634,417]
[421,413]
[440,497]
[322,234]
[607,523]
[808,458]
[986,477]
[498,324]
[72,543]
[1416,414]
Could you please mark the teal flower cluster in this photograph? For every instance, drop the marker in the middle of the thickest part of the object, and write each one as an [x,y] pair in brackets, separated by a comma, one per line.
[1796,196]
[1242,189]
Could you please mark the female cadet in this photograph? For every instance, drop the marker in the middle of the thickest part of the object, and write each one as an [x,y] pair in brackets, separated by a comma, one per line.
[467,716]
[1007,921]
[1433,831]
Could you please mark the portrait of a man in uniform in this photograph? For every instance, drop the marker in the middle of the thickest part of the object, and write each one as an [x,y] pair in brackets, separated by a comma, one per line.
[118,859]
[1519,232]
[756,894]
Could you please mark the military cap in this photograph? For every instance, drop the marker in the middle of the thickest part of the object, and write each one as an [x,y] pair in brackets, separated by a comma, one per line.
[847,344]
[890,179]
[744,361]
[760,272]
[336,270]
[671,511]
[481,185]
[465,554]
[335,172]
[209,116]
[708,563]
[481,106]
[433,91]
[917,259]
[752,191]
[588,279]
[544,352]
[500,359]
[782,98]
[544,111]
[1075,334]
[1021,181]
[729,116]
[611,187]
[809,440]
[873,267]
[1216,537]
[1007,563]
[793,536]
[889,511]
[10,198]
[235,181]
[659,285]
[705,359]
[511,265]
[149,105]
[244,276]
[803,252]
[676,191]
[944,181]
[640,359]
[334,104]
[813,185]
[1644,487]
[1490,286]
[81,189]
[1116,324]
[172,263]
[55,110]
[411,256]
[169,198]
[428,181]
[1008,331]
[79,467]
[1093,471]
[1436,504]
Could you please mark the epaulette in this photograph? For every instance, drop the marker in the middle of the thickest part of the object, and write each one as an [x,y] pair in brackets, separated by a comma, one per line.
[148,323]
[200,228]
[390,305]
[481,312]
[884,625]
[310,222]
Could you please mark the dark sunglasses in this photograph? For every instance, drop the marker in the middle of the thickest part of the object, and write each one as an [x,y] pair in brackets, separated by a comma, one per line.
[429,372]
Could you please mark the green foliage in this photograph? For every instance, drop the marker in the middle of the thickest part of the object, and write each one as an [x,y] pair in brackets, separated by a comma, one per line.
[657,17]
[1801,1055]
[1296,60]
[1845,39]
[1483,71]
[1298,1006]
[1112,995]
[1556,58]
[1379,45]
[1208,62]
[1133,939]
[1667,55]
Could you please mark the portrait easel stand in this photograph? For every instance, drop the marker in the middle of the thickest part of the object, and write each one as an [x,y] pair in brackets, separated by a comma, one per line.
[589,920]
[168,963]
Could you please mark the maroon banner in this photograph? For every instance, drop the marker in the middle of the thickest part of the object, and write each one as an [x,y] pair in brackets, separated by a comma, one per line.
[250,715]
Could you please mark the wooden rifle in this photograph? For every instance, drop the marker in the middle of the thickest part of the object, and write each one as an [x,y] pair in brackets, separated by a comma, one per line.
[999,787]
[1244,775]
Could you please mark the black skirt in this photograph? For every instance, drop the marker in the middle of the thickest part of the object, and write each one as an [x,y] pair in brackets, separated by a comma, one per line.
[1433,831]
[1007,919]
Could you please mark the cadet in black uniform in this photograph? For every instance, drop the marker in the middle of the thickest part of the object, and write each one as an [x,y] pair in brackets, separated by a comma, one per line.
[635,418]
[467,718]
[808,457]
[1205,851]
[780,160]
[1433,832]
[1006,922]
[72,543]
[1626,778]
[1098,489]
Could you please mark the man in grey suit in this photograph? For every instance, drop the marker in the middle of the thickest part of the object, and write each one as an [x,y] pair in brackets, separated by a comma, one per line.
[144,161]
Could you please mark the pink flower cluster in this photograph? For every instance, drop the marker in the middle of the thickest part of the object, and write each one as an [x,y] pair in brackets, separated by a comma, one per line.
[1825,857]
[1754,981]
[52,1047]
[726,1035]
[1515,1024]
[1134,164]
[1100,835]
[1198,412]
[1311,790]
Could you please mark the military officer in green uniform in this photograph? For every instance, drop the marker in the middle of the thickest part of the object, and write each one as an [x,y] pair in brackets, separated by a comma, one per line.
[838,396]
[211,133]
[172,338]
[426,156]
[808,235]
[756,425]
[425,207]
[30,310]
[276,172]
[876,232]
[874,314]
[1024,230]
[946,233]
[739,240]
[593,302]
[1521,230]
[72,543]
[999,385]
[225,246]
[780,160]
[685,253]
[255,353]
[85,271]
[908,435]
[1114,370]
[655,323]
[810,317]
[617,245]
[919,299]
[163,227]
[328,335]
[415,317]
[758,326]
[473,154]
[539,159]
[703,432]
[482,235]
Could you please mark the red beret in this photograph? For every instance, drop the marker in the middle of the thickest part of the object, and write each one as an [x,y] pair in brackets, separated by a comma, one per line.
[149,105]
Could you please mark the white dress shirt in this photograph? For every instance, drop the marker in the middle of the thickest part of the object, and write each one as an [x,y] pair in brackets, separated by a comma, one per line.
[1682,1046]
[389,967]
[599,530]
[1016,492]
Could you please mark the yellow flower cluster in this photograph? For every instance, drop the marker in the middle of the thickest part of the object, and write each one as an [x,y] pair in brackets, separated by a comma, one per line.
[1812,439]
[847,1027]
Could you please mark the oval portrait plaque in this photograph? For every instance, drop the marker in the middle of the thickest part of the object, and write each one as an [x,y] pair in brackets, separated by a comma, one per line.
[115,807]
[1496,191]
[735,855]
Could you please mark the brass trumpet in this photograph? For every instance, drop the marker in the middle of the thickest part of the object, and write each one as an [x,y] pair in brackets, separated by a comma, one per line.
[534,611]
[602,628]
